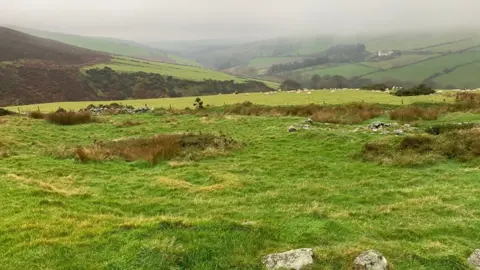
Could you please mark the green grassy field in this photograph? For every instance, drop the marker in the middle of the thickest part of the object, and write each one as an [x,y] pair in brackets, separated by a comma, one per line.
[460,45]
[345,70]
[281,98]
[420,71]
[122,64]
[398,61]
[414,41]
[466,77]
[279,191]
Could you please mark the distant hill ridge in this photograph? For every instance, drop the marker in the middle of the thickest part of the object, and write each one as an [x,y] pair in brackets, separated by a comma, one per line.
[15,45]
[112,46]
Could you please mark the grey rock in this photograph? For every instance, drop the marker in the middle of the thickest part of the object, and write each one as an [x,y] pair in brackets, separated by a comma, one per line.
[474,259]
[293,259]
[292,129]
[306,127]
[371,260]
[309,121]
[377,125]
[398,132]
[374,129]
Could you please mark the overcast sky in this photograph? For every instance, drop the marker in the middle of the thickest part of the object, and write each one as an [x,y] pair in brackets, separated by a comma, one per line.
[151,20]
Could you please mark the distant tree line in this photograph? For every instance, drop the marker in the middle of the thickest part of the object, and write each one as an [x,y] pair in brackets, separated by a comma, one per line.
[344,53]
[150,85]
[298,81]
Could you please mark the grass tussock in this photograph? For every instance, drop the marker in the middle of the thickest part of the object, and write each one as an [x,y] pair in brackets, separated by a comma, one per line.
[343,114]
[347,114]
[469,98]
[462,145]
[36,115]
[448,127]
[70,118]
[414,113]
[157,148]
[128,123]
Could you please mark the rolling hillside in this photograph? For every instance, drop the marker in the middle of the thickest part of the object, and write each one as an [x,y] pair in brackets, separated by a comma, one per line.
[38,70]
[422,56]
[121,64]
[112,46]
[15,45]
[431,68]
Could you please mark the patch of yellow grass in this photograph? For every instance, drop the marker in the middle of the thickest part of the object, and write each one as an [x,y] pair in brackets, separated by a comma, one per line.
[65,190]
[176,163]
[174,183]
[226,181]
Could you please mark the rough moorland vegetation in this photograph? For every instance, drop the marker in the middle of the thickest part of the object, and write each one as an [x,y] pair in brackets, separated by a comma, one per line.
[173,189]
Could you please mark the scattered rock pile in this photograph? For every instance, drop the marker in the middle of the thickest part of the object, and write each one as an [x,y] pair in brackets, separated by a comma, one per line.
[115,108]
[369,260]
[307,124]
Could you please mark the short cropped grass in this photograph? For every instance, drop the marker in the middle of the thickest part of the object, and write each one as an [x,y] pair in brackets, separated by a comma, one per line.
[279,191]
[327,97]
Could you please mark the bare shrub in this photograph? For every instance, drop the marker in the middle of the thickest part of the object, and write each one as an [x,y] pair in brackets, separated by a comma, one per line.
[347,114]
[36,115]
[69,118]
[413,113]
[344,114]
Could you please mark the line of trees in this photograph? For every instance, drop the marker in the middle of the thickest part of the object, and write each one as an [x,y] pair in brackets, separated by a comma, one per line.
[343,53]
[150,85]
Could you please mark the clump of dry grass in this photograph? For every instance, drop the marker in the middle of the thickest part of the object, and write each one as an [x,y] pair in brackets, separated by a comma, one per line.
[36,115]
[347,114]
[414,113]
[156,148]
[128,123]
[70,118]
[464,97]
[463,145]
[343,114]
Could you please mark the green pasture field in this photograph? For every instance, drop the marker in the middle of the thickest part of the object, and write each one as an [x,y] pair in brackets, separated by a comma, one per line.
[421,71]
[465,77]
[280,98]
[278,191]
[345,70]
[121,64]
[413,41]
[457,46]
[398,61]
